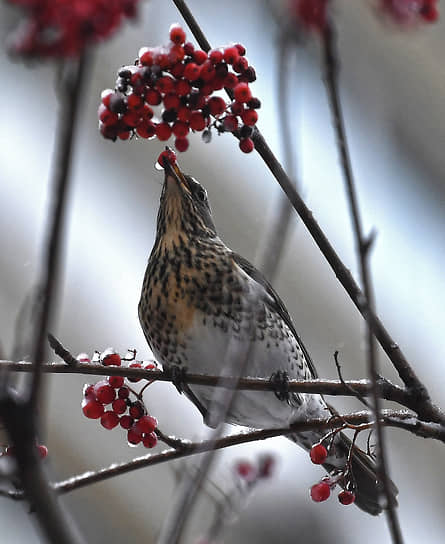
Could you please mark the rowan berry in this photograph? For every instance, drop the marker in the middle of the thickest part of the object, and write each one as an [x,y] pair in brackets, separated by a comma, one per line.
[171,101]
[92,409]
[165,84]
[189,48]
[146,424]
[197,121]
[246,470]
[191,71]
[106,116]
[147,129]
[116,381]
[230,81]
[131,118]
[146,56]
[180,129]
[230,123]
[320,492]
[104,392]
[246,145]
[123,392]
[176,54]
[199,56]
[346,497]
[119,406]
[318,454]
[216,56]
[241,49]
[150,440]
[182,87]
[136,410]
[134,436]
[242,93]
[42,450]
[126,422]
[110,358]
[249,117]
[217,105]
[168,155]
[231,54]
[109,420]
[182,144]
[177,34]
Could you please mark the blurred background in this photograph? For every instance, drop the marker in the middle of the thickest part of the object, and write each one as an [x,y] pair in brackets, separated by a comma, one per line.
[393,90]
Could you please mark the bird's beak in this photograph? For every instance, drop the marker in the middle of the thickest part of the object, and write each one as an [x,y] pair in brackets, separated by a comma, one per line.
[173,171]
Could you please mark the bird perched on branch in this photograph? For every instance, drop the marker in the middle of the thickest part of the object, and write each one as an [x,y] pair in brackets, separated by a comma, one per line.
[206,308]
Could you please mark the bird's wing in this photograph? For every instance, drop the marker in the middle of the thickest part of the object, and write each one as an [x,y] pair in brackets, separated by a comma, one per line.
[274,302]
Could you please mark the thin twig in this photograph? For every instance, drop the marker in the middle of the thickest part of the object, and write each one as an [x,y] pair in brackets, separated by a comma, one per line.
[70,84]
[330,58]
[348,388]
[275,237]
[390,418]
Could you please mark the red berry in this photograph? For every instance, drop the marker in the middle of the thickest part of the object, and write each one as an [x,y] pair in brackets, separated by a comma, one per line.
[249,117]
[153,97]
[106,116]
[318,454]
[231,54]
[246,470]
[146,56]
[92,409]
[119,406]
[189,48]
[126,422]
[105,97]
[171,101]
[124,135]
[42,450]
[184,114]
[320,492]
[181,144]
[136,410]
[199,56]
[241,65]
[216,56]
[230,123]
[146,129]
[176,54]
[123,393]
[177,34]
[165,84]
[191,71]
[150,440]
[230,81]
[161,59]
[138,365]
[150,366]
[131,118]
[116,381]
[177,70]
[180,129]
[168,155]
[246,145]
[217,105]
[241,49]
[207,71]
[104,392]
[109,420]
[217,82]
[237,108]
[242,93]
[163,132]
[197,121]
[182,87]
[146,424]
[134,101]
[346,497]
[88,392]
[134,436]
[109,357]
[108,132]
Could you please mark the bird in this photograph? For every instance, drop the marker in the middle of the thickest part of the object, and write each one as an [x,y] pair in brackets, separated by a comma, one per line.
[207,309]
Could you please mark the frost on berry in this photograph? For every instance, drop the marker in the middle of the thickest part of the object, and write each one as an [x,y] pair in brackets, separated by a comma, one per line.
[64,28]
[318,454]
[320,492]
[170,92]
[110,357]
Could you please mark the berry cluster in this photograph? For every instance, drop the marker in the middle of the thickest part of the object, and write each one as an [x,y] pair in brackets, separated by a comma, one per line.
[322,490]
[62,28]
[181,80]
[410,12]
[114,402]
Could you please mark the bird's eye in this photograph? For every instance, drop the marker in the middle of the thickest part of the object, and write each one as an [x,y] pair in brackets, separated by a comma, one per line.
[201,195]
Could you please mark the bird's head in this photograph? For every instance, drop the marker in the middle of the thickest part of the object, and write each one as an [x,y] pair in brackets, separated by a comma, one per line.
[184,210]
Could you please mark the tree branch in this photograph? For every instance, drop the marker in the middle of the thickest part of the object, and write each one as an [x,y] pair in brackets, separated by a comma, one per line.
[330,61]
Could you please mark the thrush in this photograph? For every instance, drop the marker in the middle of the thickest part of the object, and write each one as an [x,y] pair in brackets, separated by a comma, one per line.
[203,306]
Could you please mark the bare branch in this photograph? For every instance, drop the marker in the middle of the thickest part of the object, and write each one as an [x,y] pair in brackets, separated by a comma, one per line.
[330,58]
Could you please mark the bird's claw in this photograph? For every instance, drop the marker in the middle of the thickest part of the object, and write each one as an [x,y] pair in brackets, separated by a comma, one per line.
[280,381]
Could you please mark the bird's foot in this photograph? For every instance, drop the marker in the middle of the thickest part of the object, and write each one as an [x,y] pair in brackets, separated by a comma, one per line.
[280,381]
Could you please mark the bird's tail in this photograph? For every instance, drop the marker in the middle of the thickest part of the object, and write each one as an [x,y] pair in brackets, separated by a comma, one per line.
[363,473]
